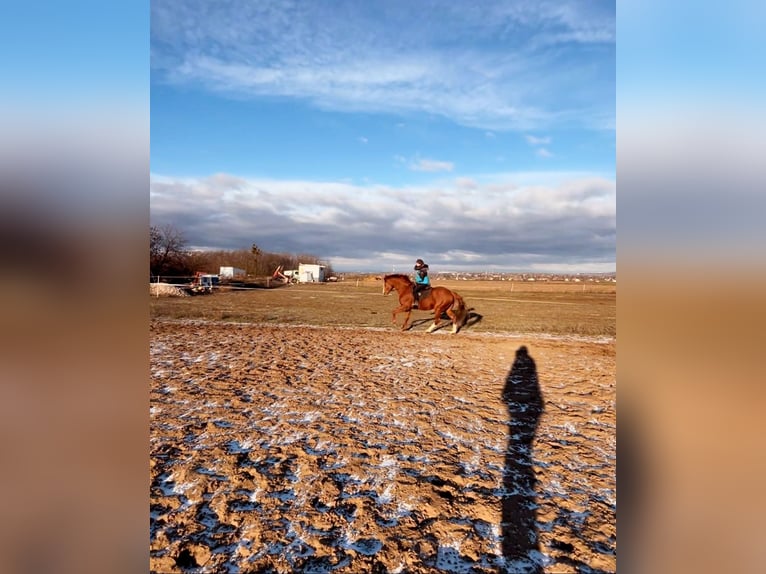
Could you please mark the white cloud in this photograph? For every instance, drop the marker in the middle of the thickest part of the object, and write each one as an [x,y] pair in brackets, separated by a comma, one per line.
[431,165]
[397,62]
[534,140]
[540,141]
[363,139]
[467,183]
[542,152]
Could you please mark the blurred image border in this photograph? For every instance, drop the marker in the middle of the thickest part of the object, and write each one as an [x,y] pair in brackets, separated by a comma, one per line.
[74,183]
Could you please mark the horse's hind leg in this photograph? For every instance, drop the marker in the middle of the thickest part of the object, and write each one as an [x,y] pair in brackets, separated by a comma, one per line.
[451,314]
[437,319]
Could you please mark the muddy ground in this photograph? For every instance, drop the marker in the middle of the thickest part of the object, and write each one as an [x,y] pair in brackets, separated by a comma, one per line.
[326,449]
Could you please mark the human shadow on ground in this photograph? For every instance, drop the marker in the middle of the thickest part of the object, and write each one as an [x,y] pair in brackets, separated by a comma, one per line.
[520,542]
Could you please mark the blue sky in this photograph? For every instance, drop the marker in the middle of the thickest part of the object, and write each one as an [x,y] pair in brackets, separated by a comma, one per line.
[475,136]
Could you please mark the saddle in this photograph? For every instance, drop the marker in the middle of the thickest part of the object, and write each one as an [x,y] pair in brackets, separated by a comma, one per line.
[418,293]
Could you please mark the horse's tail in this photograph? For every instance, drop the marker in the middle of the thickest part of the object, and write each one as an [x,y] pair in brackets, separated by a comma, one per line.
[460,311]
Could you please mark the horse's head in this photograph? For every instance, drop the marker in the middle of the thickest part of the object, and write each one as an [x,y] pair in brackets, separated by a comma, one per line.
[397,281]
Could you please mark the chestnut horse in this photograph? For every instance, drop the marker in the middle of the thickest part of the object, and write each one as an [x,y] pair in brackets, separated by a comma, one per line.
[440,299]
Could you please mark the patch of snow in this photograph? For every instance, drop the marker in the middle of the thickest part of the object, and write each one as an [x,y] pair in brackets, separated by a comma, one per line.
[235,447]
[448,559]
[366,546]
[387,495]
[283,495]
[570,428]
[308,417]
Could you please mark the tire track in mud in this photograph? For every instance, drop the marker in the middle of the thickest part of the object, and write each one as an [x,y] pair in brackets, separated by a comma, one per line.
[290,449]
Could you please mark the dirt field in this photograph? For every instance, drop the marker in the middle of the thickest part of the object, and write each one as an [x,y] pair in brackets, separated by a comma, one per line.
[292,447]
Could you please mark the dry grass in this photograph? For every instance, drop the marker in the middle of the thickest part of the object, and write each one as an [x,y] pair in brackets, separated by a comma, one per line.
[585,309]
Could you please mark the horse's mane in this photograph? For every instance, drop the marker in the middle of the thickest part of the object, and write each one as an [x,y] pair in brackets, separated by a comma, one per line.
[398,276]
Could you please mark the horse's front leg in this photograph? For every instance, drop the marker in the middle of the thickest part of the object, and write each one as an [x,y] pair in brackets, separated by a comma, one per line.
[407,319]
[401,309]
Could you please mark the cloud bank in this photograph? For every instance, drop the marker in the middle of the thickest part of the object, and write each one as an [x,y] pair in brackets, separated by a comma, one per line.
[513,223]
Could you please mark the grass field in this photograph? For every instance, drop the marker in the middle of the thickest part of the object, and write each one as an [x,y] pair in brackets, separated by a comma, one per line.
[557,308]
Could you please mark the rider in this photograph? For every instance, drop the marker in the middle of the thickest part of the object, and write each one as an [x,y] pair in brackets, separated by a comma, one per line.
[422,281]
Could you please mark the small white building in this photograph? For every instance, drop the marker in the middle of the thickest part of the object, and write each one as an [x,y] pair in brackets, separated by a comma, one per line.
[231,273]
[311,273]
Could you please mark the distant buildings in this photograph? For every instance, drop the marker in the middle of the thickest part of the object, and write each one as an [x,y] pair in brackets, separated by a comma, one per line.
[529,277]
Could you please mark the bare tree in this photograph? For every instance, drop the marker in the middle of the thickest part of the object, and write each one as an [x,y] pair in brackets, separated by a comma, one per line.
[169,257]
[166,249]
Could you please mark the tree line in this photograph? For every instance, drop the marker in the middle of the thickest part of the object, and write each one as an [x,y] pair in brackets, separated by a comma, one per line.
[170,258]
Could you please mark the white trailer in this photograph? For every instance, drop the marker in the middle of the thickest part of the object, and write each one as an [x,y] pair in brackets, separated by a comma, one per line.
[311,273]
[231,273]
